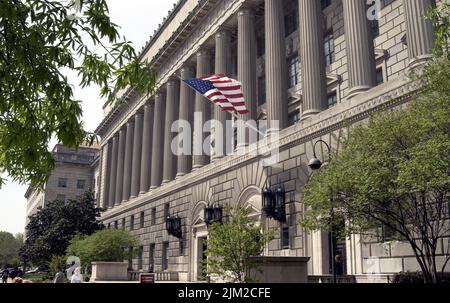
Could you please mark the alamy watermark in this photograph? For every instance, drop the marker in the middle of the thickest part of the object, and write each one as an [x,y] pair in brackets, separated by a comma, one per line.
[236,137]
[374,11]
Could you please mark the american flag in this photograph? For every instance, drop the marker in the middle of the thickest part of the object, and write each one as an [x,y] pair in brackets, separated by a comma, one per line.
[223,91]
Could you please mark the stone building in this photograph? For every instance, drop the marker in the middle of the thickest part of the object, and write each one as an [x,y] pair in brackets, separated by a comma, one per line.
[314,66]
[72,176]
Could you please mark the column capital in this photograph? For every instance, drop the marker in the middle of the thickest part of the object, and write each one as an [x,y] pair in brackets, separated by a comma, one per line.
[203,51]
[223,31]
[246,11]
[160,94]
[173,81]
[187,69]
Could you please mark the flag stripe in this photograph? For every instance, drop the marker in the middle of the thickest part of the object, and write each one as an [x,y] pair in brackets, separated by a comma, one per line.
[222,91]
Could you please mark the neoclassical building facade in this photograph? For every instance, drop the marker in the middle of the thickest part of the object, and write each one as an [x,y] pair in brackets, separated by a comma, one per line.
[314,66]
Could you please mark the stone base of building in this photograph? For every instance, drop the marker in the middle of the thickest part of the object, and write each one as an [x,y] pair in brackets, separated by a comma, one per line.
[109,271]
[281,270]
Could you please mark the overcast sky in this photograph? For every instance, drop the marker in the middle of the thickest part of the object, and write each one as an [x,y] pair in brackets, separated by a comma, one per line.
[138,19]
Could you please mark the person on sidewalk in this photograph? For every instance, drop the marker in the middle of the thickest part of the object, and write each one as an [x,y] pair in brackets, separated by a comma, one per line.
[59,277]
[76,277]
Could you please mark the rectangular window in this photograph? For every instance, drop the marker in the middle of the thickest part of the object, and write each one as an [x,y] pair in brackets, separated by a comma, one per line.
[285,238]
[165,256]
[81,184]
[375,28]
[380,76]
[151,257]
[142,222]
[329,48]
[123,223]
[132,222]
[166,210]
[261,91]
[332,99]
[130,258]
[181,243]
[325,3]
[62,182]
[153,218]
[293,71]
[291,22]
[61,198]
[261,45]
[294,117]
[140,257]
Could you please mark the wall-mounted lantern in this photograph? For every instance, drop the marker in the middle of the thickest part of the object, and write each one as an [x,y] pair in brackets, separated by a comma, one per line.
[274,203]
[213,214]
[173,226]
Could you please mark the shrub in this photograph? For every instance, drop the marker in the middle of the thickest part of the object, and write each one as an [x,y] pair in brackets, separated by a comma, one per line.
[408,278]
[57,263]
[109,245]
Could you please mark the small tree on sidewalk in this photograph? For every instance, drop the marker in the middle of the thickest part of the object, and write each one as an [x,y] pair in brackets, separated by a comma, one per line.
[232,244]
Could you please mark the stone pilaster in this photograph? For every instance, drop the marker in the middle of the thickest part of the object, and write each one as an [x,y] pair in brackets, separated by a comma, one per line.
[247,54]
[202,112]
[113,172]
[120,166]
[187,99]
[312,56]
[158,140]
[419,31]
[147,141]
[276,70]
[360,48]
[222,66]
[128,162]
[137,150]
[172,107]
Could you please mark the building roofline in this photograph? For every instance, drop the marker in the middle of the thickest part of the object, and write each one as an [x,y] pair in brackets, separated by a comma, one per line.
[130,92]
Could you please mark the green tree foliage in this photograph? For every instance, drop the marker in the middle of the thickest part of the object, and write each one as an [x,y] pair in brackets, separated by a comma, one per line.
[57,263]
[51,228]
[393,173]
[9,249]
[42,41]
[232,244]
[108,245]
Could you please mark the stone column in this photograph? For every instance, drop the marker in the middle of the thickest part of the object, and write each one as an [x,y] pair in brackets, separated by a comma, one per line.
[172,107]
[360,48]
[106,155]
[312,56]
[158,140]
[187,96]
[137,150]
[147,138]
[128,162]
[223,66]
[113,172]
[247,54]
[202,112]
[120,166]
[419,31]
[276,70]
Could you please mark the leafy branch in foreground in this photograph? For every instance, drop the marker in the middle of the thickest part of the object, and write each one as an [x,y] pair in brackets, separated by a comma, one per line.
[42,41]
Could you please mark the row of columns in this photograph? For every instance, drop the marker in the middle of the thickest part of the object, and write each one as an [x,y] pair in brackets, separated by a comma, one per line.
[140,157]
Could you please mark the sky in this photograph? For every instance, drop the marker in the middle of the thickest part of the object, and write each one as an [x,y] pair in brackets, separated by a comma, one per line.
[137,19]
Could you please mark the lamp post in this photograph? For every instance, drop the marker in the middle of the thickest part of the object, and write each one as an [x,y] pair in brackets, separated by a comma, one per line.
[316,164]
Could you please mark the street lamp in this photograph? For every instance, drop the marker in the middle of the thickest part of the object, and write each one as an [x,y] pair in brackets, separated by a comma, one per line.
[315,164]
